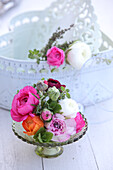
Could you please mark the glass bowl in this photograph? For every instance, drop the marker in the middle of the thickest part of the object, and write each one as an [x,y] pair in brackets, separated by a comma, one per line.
[51,149]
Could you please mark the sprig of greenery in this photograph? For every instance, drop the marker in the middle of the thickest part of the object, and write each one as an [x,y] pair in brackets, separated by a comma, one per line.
[64,93]
[58,34]
[65,45]
[53,106]
[42,136]
[36,54]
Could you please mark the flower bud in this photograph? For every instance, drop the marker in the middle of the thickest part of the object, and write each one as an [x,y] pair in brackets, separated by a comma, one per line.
[46,115]
[53,93]
[41,85]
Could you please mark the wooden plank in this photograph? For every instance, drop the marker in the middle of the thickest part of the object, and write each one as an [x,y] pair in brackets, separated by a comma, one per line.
[101,137]
[15,154]
[76,156]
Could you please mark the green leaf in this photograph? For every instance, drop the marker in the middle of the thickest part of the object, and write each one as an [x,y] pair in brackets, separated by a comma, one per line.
[34,85]
[53,104]
[37,109]
[53,69]
[43,78]
[47,136]
[63,96]
[67,90]
[17,92]
[62,88]
[41,130]
[33,105]
[40,138]
[49,101]
[38,61]
[63,68]
[35,96]
[57,108]
[68,95]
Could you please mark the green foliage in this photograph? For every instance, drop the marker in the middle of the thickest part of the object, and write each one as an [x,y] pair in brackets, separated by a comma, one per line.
[43,78]
[57,108]
[35,96]
[33,105]
[42,136]
[34,85]
[62,88]
[54,106]
[53,69]
[35,54]
[68,95]
[41,55]
[17,92]
[64,93]
[50,104]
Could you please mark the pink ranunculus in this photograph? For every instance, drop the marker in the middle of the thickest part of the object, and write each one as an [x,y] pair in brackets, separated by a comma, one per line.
[62,129]
[55,56]
[22,103]
[46,115]
[80,123]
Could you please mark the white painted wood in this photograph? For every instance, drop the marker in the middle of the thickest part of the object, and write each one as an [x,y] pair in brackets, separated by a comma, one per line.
[101,137]
[15,154]
[76,156]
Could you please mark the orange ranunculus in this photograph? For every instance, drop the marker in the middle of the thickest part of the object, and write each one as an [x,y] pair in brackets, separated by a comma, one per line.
[32,125]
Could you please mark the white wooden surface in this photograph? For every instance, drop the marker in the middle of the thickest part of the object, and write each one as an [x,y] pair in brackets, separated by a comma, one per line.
[94,151]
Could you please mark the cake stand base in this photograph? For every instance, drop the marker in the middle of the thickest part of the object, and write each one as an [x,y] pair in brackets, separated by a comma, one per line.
[49,152]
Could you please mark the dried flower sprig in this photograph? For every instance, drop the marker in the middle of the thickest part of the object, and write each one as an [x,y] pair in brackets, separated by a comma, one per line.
[58,34]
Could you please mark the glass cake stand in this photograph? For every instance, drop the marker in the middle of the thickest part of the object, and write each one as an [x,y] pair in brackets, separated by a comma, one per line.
[51,149]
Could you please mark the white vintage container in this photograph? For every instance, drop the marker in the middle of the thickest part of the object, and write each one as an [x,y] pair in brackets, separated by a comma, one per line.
[32,30]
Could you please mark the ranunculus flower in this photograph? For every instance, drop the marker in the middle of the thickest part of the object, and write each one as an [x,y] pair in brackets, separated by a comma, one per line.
[46,115]
[21,105]
[69,108]
[62,129]
[80,123]
[32,125]
[55,56]
[53,93]
[56,83]
[78,54]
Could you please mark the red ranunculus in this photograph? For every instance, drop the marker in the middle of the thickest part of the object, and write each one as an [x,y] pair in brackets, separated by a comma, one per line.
[56,83]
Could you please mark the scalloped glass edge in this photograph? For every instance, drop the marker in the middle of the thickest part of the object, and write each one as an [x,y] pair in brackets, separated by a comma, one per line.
[72,139]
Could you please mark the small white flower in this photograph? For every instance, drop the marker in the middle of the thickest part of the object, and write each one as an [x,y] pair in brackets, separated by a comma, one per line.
[69,108]
[78,54]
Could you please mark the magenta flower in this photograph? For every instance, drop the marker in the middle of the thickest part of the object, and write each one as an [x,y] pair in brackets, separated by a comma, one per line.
[22,103]
[62,129]
[55,56]
[80,123]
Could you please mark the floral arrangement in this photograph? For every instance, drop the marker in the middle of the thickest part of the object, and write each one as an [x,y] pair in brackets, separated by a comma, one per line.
[75,53]
[47,112]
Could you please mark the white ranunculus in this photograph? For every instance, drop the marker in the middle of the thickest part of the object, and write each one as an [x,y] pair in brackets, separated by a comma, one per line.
[78,54]
[69,108]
